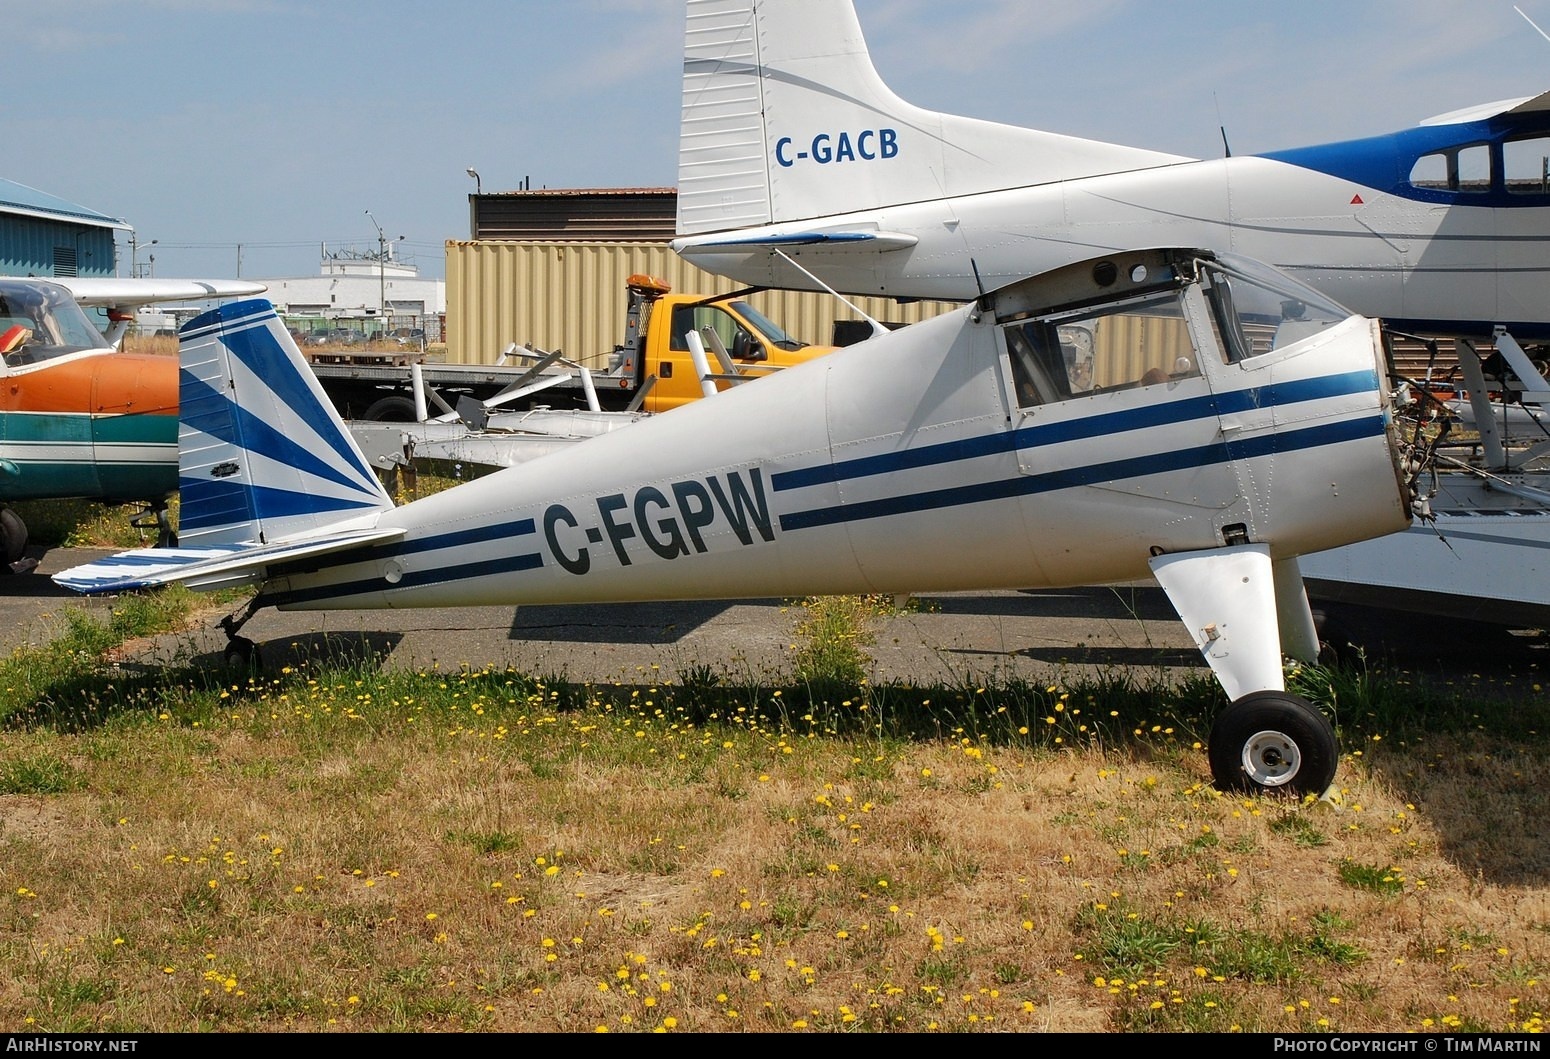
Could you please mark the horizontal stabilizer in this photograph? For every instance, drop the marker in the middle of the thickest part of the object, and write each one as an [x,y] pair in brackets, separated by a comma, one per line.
[205,568]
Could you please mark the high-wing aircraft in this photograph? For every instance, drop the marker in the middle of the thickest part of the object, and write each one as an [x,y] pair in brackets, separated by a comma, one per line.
[79,418]
[121,297]
[799,167]
[1172,413]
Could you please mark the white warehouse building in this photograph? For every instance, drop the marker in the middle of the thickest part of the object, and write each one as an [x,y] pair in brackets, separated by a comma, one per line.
[366,292]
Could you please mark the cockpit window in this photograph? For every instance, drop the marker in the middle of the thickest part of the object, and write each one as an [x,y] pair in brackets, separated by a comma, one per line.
[1526,166]
[41,321]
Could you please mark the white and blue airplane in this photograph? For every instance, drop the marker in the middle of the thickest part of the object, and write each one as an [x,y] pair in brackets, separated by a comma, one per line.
[1167,413]
[799,168]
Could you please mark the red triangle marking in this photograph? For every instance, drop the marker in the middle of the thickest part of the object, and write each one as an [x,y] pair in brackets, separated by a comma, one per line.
[1357,200]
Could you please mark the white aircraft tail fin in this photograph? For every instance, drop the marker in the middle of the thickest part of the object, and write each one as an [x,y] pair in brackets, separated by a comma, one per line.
[262,455]
[786,119]
[267,471]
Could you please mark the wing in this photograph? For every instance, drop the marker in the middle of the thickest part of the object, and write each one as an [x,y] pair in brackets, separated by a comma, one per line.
[115,293]
[1484,111]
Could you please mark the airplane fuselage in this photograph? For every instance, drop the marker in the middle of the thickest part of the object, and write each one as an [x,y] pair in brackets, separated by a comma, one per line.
[912,463]
[792,147]
[97,424]
[1423,260]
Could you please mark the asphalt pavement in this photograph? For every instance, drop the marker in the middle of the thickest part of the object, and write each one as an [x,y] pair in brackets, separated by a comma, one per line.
[946,638]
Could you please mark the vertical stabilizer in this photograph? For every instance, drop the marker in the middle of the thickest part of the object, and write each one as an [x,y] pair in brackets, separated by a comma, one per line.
[786,119]
[262,455]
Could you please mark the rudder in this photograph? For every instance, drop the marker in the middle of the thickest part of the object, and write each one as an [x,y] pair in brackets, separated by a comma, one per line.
[262,455]
[786,119]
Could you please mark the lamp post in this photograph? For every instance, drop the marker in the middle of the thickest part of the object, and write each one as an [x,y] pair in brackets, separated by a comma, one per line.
[382,244]
[134,252]
[473,204]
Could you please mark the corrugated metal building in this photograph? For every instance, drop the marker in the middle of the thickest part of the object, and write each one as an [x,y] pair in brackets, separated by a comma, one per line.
[44,235]
[547,269]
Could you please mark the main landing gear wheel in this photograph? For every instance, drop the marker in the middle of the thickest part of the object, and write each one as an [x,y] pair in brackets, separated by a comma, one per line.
[13,537]
[1273,741]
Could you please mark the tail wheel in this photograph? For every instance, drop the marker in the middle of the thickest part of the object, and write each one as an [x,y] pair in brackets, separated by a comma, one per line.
[242,653]
[13,536]
[1273,741]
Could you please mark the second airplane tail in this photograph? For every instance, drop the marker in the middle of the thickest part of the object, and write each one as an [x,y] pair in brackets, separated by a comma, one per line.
[786,119]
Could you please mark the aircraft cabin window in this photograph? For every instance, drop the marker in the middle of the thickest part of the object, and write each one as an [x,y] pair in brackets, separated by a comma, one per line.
[54,323]
[1526,166]
[1140,342]
[1431,171]
[1474,169]
[1462,169]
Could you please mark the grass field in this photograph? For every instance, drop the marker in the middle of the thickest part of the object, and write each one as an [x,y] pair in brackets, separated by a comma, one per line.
[336,847]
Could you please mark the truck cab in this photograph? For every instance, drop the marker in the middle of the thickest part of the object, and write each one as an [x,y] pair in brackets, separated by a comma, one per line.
[661,322]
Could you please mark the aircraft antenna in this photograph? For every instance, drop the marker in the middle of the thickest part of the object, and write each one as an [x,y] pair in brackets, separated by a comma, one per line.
[982,302]
[1221,126]
[1530,21]
[877,328]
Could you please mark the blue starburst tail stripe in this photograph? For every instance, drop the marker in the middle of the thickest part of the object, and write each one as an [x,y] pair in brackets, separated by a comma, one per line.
[262,453]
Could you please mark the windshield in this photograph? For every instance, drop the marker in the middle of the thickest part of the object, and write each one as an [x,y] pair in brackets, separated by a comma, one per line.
[50,321]
[1258,309]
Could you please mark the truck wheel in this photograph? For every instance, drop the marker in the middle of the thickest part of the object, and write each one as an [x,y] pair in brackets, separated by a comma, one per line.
[390,410]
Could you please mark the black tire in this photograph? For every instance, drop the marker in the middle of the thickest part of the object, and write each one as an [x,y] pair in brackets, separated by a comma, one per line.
[242,653]
[13,537]
[1271,741]
[390,410]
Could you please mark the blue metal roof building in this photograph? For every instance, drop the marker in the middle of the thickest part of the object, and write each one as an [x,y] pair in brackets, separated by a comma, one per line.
[44,235]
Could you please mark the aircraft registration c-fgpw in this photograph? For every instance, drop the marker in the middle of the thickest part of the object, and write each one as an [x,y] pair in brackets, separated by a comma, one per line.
[797,164]
[1172,413]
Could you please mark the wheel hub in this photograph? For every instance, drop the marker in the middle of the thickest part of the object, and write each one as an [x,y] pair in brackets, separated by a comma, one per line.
[1271,759]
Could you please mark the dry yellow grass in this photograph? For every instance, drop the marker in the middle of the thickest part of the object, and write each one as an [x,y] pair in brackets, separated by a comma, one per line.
[347,849]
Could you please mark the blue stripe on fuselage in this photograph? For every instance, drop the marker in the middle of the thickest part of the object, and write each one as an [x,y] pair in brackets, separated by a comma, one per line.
[435,542]
[434,576]
[1133,467]
[1115,470]
[1150,415]
[431,575]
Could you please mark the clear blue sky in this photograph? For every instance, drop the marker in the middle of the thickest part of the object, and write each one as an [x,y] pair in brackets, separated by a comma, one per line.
[276,124]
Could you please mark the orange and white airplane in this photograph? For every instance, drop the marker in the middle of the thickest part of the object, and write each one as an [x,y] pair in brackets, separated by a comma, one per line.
[78,417]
